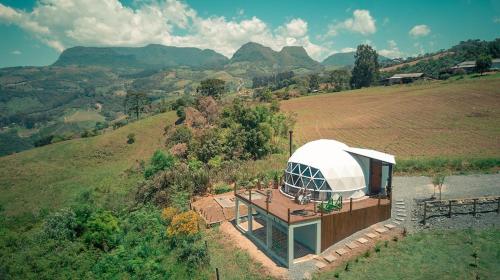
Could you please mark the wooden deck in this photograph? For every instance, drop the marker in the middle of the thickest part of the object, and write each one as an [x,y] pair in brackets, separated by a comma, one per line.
[280,205]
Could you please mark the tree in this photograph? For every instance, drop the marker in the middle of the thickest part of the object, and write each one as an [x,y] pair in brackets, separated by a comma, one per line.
[366,67]
[135,102]
[483,63]
[212,87]
[340,79]
[438,181]
[313,82]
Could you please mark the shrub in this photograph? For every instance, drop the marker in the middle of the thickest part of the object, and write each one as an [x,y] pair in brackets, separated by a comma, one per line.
[61,225]
[131,138]
[367,254]
[102,230]
[222,188]
[159,161]
[195,253]
[377,248]
[183,225]
[168,214]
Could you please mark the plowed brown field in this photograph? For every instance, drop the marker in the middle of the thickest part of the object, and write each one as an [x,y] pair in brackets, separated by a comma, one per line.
[452,119]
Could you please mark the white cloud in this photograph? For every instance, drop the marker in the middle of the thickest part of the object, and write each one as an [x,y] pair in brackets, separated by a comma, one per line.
[16,52]
[241,12]
[392,51]
[296,27]
[419,31]
[344,50]
[361,22]
[63,23]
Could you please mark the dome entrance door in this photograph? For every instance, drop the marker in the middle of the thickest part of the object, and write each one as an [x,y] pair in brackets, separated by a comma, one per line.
[375,176]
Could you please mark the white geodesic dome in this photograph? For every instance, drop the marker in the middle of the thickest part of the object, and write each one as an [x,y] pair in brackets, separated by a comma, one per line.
[325,167]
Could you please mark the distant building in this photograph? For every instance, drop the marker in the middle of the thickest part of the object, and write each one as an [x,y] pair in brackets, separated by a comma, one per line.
[495,64]
[468,66]
[403,78]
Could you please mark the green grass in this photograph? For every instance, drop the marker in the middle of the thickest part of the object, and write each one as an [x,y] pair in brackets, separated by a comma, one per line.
[52,176]
[84,116]
[429,255]
[427,166]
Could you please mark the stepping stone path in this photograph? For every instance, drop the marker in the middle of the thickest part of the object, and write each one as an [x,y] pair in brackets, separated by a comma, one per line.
[320,265]
[380,230]
[341,251]
[389,226]
[352,245]
[371,235]
[330,258]
[400,212]
[362,240]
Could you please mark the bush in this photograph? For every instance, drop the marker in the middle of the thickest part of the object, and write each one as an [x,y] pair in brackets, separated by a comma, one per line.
[61,225]
[195,253]
[102,230]
[168,214]
[131,138]
[183,225]
[159,161]
[222,188]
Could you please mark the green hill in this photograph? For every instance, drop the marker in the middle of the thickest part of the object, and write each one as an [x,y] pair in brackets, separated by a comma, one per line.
[151,56]
[50,177]
[345,59]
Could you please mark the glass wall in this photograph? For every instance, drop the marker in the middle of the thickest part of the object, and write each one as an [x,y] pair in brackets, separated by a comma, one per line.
[299,176]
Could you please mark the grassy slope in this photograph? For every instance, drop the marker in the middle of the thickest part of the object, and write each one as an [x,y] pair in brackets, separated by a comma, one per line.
[52,176]
[454,119]
[434,255]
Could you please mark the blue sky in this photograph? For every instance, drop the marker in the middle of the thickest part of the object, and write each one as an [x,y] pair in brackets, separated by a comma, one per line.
[34,33]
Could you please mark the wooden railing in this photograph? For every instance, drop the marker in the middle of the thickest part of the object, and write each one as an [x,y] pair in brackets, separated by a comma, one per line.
[444,207]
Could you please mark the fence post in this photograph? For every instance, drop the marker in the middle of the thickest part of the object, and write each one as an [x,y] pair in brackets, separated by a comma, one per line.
[449,209]
[288,215]
[350,204]
[425,211]
[475,201]
[217,273]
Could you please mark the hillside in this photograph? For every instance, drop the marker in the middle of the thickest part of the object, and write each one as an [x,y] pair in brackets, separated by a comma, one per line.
[149,57]
[50,177]
[345,59]
[451,119]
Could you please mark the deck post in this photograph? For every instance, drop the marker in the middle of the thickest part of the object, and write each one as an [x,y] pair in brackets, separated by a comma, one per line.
[425,211]
[237,210]
[269,232]
[290,246]
[378,202]
[288,216]
[250,218]
[350,204]
[318,238]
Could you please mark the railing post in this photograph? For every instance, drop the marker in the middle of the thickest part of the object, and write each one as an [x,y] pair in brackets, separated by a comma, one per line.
[378,203]
[250,195]
[475,201]
[449,209]
[425,211]
[267,203]
[288,216]
[350,204]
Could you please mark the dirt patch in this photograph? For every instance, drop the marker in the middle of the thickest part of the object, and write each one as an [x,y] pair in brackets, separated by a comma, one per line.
[240,241]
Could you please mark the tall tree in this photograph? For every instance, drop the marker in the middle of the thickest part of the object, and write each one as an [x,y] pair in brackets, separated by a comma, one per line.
[483,63]
[212,87]
[366,67]
[135,102]
[313,82]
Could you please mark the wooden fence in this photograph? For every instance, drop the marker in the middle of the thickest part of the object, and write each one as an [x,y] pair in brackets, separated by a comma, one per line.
[461,206]
[340,225]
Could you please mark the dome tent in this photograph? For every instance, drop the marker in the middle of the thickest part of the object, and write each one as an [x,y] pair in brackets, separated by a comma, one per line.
[326,167]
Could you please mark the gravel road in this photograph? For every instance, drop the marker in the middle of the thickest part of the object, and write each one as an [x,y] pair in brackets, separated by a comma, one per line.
[414,189]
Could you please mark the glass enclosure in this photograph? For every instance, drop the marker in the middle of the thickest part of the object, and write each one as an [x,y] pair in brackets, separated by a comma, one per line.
[299,176]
